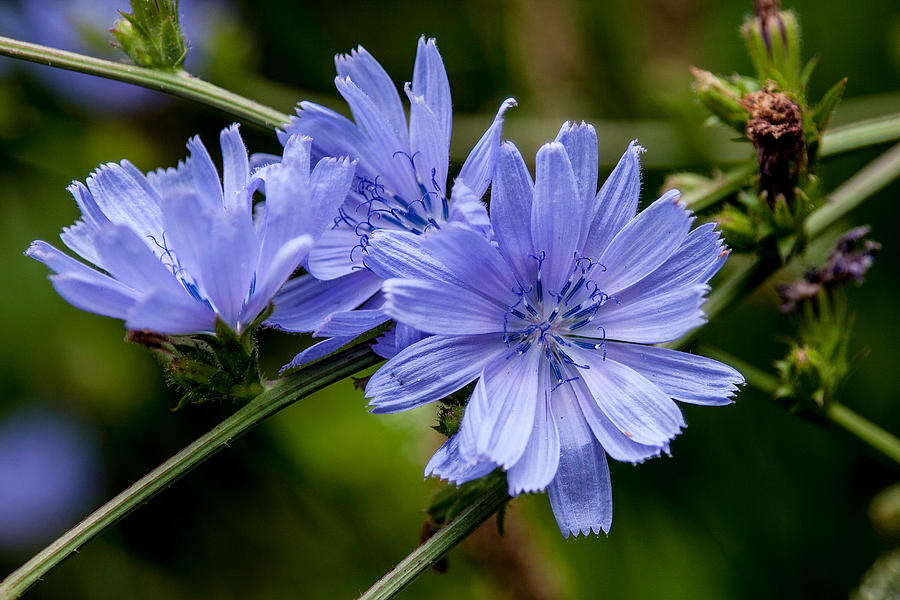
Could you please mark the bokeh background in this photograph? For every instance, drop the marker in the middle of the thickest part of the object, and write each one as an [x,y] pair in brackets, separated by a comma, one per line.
[322,499]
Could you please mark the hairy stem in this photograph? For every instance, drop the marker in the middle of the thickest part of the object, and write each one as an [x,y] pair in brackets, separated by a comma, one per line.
[177,83]
[281,394]
[432,549]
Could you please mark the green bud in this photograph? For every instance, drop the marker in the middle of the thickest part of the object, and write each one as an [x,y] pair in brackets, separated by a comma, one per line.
[772,38]
[151,35]
[722,98]
[740,231]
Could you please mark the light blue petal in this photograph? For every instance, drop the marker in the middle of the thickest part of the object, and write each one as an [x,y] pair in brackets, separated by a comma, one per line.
[537,467]
[472,420]
[448,464]
[317,351]
[430,81]
[271,276]
[124,201]
[331,181]
[430,147]
[511,195]
[63,264]
[217,250]
[335,135]
[351,323]
[683,376]
[126,257]
[396,339]
[383,142]
[207,184]
[467,209]
[304,303]
[512,390]
[581,492]
[430,370]
[580,142]
[614,441]
[636,406]
[102,296]
[441,308]
[468,257]
[370,76]
[171,314]
[337,253]
[236,169]
[644,244]
[616,202]
[478,169]
[403,255]
[79,237]
[173,180]
[91,212]
[652,319]
[555,220]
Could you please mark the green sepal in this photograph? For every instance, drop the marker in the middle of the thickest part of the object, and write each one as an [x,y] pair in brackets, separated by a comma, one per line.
[822,113]
[722,98]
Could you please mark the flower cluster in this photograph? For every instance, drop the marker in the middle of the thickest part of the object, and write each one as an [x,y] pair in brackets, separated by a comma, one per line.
[550,304]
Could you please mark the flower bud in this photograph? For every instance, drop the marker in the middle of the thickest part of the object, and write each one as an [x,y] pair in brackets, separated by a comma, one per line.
[722,98]
[773,42]
[151,35]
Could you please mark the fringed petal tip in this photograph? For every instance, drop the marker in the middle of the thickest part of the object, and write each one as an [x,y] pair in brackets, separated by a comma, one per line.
[595,529]
[636,149]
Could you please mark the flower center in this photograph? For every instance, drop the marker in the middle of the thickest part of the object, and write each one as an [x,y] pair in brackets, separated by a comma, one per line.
[379,207]
[550,322]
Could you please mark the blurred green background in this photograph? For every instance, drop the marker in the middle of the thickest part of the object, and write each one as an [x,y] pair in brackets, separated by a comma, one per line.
[322,499]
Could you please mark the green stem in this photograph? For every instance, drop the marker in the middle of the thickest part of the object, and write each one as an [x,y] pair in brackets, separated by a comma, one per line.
[280,395]
[432,549]
[876,437]
[178,83]
[875,176]
[720,187]
[860,135]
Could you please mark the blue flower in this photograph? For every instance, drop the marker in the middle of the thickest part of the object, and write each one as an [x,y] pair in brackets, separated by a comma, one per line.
[401,185]
[554,322]
[180,247]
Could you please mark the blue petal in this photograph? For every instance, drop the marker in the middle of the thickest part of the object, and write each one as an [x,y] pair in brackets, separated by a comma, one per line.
[441,308]
[644,244]
[351,323]
[617,444]
[470,258]
[124,200]
[337,253]
[700,256]
[448,464]
[126,257]
[304,303]
[430,370]
[555,220]
[467,209]
[430,145]
[383,142]
[396,339]
[271,276]
[683,376]
[370,76]
[652,319]
[512,392]
[331,181]
[636,406]
[236,169]
[430,81]
[207,184]
[317,351]
[581,492]
[511,195]
[478,169]
[580,142]
[218,250]
[335,135]
[616,202]
[537,467]
[171,314]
